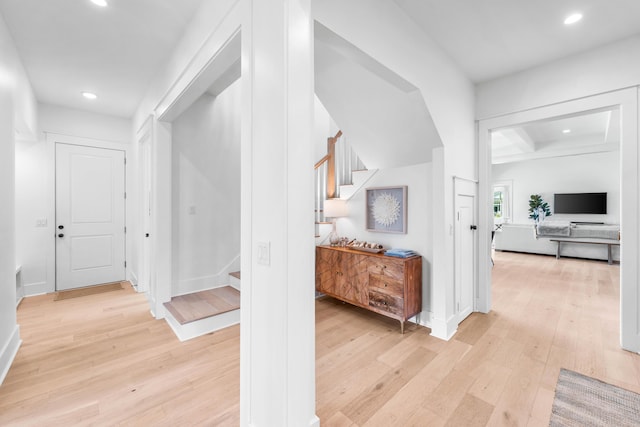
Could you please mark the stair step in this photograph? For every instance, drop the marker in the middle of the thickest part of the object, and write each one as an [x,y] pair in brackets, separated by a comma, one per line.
[235,274]
[200,313]
[199,305]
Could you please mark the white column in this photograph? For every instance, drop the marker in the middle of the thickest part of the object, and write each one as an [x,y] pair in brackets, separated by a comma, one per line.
[278,321]
[161,214]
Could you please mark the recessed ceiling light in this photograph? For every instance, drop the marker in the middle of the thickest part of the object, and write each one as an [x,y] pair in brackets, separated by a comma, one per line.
[89,95]
[101,3]
[573,18]
[566,131]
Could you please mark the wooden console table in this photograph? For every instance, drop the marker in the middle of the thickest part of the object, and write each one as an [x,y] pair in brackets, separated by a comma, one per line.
[608,242]
[383,284]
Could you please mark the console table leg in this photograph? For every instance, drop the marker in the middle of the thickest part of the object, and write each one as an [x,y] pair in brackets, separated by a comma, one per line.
[402,327]
[610,259]
[558,251]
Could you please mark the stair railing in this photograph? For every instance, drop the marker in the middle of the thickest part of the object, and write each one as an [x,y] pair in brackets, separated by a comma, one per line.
[326,186]
[332,171]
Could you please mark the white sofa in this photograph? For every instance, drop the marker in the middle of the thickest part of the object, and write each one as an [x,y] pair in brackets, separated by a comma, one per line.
[522,238]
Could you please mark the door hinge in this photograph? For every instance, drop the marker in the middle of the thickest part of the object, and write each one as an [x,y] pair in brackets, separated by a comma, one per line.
[125,194]
[125,264]
[125,160]
[125,230]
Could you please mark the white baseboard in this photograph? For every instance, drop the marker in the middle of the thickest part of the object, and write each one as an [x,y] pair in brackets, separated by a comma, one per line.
[423,319]
[201,327]
[315,422]
[8,352]
[444,329]
[133,278]
[39,288]
[235,283]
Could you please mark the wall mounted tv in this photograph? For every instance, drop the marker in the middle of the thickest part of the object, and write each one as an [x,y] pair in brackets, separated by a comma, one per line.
[580,203]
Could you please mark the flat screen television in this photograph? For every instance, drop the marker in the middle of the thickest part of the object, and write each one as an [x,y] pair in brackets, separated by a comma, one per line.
[580,203]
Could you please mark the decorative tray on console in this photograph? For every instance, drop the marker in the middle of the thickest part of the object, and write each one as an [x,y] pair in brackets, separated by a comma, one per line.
[370,247]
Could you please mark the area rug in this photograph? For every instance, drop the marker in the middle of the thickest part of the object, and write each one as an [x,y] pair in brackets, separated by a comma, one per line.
[585,401]
[90,290]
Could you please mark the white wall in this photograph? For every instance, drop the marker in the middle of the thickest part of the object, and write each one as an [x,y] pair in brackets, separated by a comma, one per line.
[587,173]
[18,114]
[418,179]
[72,122]
[35,198]
[608,68]
[206,192]
[32,204]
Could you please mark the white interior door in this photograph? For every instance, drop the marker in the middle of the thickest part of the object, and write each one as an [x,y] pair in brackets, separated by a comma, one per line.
[90,216]
[465,248]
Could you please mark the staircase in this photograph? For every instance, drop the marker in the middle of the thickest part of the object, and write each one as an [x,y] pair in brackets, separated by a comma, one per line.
[200,313]
[339,174]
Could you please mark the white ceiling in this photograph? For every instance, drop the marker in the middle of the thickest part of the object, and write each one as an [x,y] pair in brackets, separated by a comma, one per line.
[592,132]
[68,46]
[493,38]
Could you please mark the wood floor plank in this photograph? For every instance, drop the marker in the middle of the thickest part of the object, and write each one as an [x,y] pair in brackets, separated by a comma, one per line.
[363,408]
[471,412]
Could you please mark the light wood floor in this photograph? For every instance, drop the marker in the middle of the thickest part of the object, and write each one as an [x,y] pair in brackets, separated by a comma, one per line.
[102,359]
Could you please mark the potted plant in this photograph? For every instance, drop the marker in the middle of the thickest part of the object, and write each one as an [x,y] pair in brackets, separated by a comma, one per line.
[538,208]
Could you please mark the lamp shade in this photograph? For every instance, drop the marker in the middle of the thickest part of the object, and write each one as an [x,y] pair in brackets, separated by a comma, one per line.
[334,208]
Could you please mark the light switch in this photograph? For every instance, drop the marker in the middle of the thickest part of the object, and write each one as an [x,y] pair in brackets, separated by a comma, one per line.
[264,253]
[41,222]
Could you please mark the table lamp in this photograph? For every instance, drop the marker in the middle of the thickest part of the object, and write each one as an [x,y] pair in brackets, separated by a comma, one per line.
[335,208]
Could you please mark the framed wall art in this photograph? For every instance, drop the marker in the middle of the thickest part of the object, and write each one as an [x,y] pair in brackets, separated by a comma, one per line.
[386,209]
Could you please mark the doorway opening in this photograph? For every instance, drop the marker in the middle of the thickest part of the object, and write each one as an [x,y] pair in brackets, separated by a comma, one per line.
[564,163]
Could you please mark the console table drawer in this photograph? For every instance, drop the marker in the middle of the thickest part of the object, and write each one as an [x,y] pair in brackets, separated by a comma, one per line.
[385,302]
[387,267]
[386,285]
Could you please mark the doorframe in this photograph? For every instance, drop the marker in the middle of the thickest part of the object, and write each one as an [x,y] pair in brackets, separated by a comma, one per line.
[51,139]
[465,187]
[626,100]
[143,258]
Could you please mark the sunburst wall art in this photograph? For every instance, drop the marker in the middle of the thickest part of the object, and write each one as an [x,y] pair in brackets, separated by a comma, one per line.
[387,209]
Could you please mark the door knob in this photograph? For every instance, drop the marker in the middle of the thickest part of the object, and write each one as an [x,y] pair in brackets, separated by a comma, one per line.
[473,227]
[146,235]
[61,227]
[60,235]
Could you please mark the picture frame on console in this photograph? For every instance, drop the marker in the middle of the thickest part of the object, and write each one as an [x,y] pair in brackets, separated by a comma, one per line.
[386,209]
